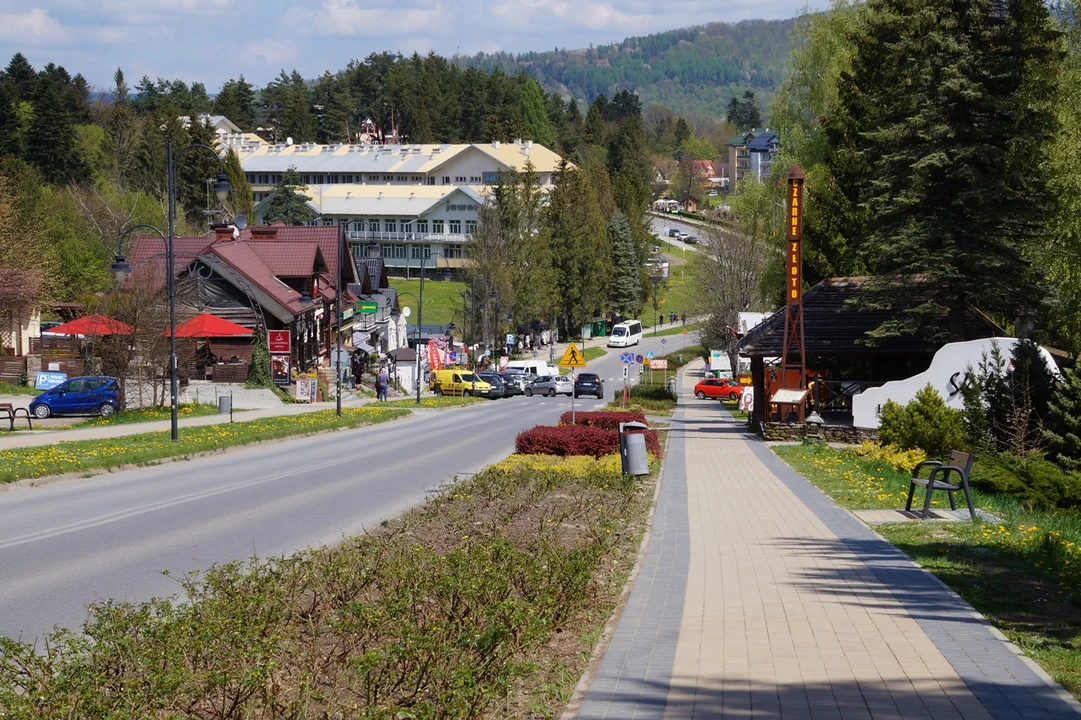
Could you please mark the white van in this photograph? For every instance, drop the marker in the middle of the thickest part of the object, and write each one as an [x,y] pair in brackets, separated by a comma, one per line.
[625,334]
[539,368]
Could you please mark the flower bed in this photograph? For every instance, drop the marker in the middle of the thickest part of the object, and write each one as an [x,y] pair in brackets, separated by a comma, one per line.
[603,420]
[576,440]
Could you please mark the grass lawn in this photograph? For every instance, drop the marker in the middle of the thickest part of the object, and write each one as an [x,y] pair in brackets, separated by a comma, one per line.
[65,457]
[1023,573]
[138,415]
[594,353]
[442,299]
[9,389]
[677,295]
[430,402]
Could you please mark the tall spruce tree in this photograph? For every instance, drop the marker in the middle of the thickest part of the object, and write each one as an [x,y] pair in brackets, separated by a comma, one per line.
[241,199]
[626,289]
[1064,421]
[287,202]
[940,104]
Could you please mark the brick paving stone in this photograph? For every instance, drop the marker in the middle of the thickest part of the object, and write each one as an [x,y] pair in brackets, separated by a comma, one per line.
[761,598]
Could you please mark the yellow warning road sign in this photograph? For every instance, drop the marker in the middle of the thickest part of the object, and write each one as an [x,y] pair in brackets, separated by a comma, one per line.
[572,358]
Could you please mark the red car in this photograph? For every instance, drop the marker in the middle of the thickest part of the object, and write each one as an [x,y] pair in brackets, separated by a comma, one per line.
[718,389]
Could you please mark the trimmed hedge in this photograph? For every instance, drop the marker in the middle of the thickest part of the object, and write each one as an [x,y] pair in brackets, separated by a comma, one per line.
[652,392]
[603,420]
[575,440]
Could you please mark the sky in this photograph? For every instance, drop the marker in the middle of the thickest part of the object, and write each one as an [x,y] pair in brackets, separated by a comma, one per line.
[211,41]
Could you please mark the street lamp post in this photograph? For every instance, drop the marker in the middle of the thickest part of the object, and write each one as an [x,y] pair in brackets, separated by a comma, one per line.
[120,266]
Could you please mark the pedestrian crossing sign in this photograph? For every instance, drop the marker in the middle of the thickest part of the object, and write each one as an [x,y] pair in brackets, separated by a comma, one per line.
[572,358]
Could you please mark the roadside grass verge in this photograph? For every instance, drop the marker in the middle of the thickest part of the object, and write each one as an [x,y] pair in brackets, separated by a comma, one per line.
[1023,573]
[484,602]
[9,389]
[74,456]
[138,415]
[441,401]
[732,406]
[594,353]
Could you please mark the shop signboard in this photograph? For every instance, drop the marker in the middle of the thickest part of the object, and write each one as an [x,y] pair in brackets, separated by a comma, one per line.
[278,341]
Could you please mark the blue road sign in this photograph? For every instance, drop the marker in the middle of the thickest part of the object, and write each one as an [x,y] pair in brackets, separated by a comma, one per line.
[626,358]
[664,341]
[649,355]
[638,359]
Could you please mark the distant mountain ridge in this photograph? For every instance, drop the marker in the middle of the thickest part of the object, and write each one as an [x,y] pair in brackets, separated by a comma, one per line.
[694,70]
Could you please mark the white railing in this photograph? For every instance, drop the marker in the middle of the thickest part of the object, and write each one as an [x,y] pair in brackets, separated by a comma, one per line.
[406,237]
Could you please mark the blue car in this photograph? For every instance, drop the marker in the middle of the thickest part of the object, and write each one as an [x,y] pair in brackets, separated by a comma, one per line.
[89,395]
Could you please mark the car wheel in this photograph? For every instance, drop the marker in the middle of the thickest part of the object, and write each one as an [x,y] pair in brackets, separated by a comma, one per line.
[107,410]
[551,392]
[42,411]
[600,395]
[733,396]
[467,393]
[528,392]
[439,391]
[700,395]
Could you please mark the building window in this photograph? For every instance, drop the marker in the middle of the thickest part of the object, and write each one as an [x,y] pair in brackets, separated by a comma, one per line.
[437,227]
[390,225]
[453,253]
[422,226]
[446,180]
[475,179]
[459,178]
[470,226]
[373,226]
[455,227]
[388,250]
[388,178]
[431,181]
[417,252]
[307,179]
[407,226]
[358,226]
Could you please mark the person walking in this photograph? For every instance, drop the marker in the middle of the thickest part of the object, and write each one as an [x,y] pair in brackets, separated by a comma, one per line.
[382,382]
[683,318]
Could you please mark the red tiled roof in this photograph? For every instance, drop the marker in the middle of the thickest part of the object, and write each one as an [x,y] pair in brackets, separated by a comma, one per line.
[240,256]
[286,259]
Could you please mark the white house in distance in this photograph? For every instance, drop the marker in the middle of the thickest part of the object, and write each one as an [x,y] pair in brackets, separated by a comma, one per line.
[414,201]
[408,223]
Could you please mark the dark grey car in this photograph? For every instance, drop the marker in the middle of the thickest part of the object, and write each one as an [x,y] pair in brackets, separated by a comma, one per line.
[500,387]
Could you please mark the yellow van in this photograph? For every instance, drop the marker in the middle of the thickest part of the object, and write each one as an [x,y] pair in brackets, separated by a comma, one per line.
[459,382]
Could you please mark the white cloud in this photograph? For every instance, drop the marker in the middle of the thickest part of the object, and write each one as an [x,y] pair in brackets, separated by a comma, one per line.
[349,18]
[271,52]
[36,27]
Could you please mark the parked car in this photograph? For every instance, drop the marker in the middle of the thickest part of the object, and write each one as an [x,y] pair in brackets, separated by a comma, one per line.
[459,382]
[87,395]
[589,384]
[718,389]
[515,382]
[550,385]
[691,239]
[672,232]
[498,385]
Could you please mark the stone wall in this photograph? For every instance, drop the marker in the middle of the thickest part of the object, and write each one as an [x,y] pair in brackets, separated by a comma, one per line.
[792,432]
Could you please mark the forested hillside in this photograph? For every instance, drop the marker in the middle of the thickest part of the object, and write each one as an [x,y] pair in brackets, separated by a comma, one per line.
[693,71]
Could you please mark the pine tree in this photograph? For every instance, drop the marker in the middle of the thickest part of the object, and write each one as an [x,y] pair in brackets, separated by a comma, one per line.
[1064,422]
[193,171]
[626,290]
[595,131]
[287,203]
[241,199]
[942,101]
[51,141]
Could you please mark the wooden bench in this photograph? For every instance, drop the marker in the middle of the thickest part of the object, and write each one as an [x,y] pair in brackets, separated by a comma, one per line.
[10,412]
[959,463]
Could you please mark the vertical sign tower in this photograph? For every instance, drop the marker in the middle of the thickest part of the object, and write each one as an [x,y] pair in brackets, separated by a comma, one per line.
[793,357]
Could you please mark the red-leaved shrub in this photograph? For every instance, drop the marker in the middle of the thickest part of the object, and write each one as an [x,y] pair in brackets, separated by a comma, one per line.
[606,420]
[575,440]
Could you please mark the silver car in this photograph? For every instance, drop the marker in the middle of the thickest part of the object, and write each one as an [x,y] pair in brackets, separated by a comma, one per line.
[550,385]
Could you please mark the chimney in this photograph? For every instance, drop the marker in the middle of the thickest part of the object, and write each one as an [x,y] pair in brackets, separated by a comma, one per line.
[222,233]
[349,195]
[495,144]
[412,195]
[380,196]
[528,144]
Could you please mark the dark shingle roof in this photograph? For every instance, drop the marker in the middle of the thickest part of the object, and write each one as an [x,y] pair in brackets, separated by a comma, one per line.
[287,259]
[834,325]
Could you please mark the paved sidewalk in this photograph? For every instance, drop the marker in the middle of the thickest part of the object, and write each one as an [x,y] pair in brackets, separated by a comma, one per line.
[37,438]
[761,598]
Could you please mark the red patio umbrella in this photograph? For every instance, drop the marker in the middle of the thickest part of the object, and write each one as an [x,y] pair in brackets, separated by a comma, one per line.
[207,325]
[94,325]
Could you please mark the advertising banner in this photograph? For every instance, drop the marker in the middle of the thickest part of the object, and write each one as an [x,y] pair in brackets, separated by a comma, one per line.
[279,369]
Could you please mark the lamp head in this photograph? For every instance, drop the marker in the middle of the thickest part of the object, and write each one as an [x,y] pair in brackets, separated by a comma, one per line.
[222,188]
[120,268]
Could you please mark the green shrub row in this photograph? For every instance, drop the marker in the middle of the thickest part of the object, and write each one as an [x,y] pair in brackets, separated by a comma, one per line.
[438,615]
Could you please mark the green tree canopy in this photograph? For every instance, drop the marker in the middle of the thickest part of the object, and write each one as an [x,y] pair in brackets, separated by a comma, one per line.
[287,203]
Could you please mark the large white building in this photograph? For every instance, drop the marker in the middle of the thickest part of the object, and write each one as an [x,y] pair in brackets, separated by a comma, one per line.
[416,202]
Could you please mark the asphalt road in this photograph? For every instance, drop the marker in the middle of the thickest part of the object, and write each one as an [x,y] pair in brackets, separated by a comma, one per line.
[67,544]
[661,225]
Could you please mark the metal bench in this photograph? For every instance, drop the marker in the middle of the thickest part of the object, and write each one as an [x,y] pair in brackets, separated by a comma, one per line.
[10,412]
[959,463]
